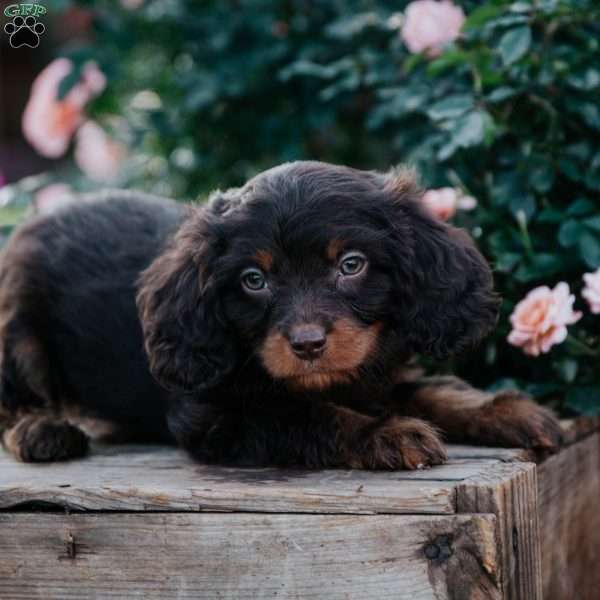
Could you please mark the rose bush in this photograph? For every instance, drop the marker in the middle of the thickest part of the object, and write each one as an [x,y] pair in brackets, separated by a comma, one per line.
[502,108]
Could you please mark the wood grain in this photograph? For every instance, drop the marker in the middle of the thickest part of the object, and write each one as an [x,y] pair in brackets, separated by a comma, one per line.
[509,491]
[462,452]
[148,478]
[164,556]
[569,497]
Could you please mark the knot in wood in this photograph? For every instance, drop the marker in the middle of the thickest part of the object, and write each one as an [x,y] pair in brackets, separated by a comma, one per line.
[440,548]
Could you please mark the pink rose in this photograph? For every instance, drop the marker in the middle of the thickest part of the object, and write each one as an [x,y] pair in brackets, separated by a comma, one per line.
[591,290]
[98,156]
[429,25]
[444,202]
[540,320]
[52,197]
[49,123]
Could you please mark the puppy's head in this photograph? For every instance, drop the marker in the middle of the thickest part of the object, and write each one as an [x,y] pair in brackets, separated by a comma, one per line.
[321,272]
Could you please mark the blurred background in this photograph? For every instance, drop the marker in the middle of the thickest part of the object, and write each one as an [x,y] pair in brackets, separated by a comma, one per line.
[496,104]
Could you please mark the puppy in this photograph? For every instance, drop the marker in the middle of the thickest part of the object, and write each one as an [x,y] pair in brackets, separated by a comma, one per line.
[278,321]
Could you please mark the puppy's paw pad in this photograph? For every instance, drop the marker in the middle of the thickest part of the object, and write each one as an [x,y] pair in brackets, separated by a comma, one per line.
[403,443]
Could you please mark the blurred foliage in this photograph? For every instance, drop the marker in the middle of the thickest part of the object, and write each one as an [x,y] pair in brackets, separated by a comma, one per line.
[212,91]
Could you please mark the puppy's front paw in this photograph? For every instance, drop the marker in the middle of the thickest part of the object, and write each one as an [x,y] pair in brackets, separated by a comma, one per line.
[399,443]
[43,439]
[513,420]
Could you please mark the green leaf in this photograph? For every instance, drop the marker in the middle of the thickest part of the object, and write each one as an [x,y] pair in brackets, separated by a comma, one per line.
[581,206]
[593,223]
[571,169]
[502,93]
[542,178]
[591,114]
[540,266]
[349,26]
[550,215]
[569,233]
[411,63]
[307,68]
[584,400]
[490,129]
[589,249]
[585,80]
[592,181]
[451,107]
[567,369]
[482,15]
[446,151]
[448,59]
[514,44]
[506,262]
[521,7]
[579,150]
[469,129]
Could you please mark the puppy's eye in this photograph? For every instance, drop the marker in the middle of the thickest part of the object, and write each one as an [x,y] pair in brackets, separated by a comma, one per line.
[254,279]
[352,264]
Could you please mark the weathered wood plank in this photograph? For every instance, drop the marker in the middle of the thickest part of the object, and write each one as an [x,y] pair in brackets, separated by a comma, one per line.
[509,491]
[164,556]
[462,452]
[138,456]
[569,492]
[155,478]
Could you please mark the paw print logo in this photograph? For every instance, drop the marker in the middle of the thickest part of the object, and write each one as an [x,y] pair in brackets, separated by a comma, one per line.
[24,32]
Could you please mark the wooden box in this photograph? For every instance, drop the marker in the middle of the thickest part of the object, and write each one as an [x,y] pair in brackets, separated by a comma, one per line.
[146,522]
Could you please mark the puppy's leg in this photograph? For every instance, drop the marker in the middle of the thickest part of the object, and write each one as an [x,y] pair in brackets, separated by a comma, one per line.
[38,438]
[29,427]
[464,414]
[324,436]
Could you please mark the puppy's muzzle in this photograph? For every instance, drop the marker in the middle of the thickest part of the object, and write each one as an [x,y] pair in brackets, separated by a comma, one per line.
[308,341]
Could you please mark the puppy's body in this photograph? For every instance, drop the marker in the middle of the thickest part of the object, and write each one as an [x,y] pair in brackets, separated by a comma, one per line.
[278,320]
[71,339]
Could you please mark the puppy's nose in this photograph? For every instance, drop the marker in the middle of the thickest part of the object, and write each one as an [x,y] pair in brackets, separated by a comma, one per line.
[308,341]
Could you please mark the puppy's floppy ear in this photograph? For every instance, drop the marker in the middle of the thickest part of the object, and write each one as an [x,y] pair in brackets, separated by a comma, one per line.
[187,342]
[444,286]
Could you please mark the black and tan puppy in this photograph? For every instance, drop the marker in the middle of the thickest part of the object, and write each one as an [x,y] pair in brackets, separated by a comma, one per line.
[277,321]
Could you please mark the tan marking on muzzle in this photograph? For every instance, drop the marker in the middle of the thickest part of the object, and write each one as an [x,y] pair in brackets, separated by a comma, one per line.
[349,345]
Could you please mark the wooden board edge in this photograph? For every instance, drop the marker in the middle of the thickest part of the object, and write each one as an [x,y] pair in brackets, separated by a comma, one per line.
[510,492]
[568,491]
